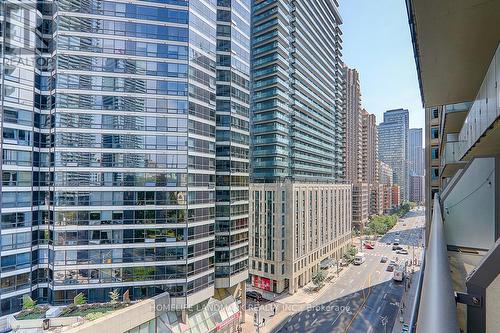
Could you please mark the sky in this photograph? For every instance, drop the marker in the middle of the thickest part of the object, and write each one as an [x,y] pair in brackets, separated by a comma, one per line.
[377,43]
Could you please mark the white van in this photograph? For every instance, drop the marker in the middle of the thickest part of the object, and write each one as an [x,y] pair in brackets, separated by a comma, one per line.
[359,258]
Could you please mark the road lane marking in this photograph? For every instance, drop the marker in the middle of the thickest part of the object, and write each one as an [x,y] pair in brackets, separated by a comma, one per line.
[341,291]
[378,309]
[362,306]
[314,322]
[338,315]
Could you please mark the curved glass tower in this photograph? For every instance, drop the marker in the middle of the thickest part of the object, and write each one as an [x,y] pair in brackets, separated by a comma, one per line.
[109,149]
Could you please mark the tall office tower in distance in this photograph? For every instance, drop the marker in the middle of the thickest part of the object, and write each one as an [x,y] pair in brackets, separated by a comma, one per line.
[232,147]
[393,147]
[353,125]
[415,152]
[299,215]
[109,149]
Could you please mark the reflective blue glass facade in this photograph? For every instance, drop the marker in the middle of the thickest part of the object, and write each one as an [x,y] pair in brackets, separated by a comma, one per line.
[109,148]
[297,119]
[393,147]
[232,144]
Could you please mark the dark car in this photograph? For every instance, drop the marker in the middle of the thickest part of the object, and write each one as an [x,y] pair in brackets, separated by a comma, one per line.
[396,247]
[254,294]
[390,268]
[383,259]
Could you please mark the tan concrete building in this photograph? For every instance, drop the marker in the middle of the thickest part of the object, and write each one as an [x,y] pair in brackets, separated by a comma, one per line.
[353,125]
[293,227]
[387,195]
[369,148]
[376,199]
[360,205]
[417,188]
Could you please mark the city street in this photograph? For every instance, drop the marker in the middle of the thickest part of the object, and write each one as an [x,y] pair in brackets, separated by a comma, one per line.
[365,299]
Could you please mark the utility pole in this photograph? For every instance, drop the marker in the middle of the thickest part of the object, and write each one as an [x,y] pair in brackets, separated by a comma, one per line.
[256,319]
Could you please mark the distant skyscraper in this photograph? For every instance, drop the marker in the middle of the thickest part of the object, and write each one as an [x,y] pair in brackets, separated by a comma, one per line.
[415,152]
[393,147]
[353,125]
[297,142]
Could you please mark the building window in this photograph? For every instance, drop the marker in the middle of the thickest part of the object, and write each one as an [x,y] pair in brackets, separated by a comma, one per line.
[435,173]
[435,153]
[265,267]
[272,269]
[434,133]
[435,113]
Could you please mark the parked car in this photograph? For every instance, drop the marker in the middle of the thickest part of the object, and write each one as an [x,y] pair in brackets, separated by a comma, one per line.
[390,268]
[393,262]
[383,259]
[254,294]
[396,247]
[402,251]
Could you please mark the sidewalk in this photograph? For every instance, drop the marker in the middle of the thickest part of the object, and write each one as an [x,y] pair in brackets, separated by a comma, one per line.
[288,305]
[407,300]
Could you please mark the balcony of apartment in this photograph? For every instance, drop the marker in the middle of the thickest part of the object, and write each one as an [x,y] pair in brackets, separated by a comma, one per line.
[457,54]
[453,116]
[450,155]
[459,287]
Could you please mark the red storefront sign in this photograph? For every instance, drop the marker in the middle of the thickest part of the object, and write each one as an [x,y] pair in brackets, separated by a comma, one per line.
[261,283]
[227,321]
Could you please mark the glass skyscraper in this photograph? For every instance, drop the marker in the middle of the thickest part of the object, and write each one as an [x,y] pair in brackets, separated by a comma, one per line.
[299,214]
[232,144]
[393,147]
[109,121]
[297,119]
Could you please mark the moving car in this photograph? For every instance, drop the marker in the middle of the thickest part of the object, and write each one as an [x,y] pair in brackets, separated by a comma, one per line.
[369,245]
[254,294]
[393,262]
[402,251]
[359,258]
[383,259]
[405,328]
[396,247]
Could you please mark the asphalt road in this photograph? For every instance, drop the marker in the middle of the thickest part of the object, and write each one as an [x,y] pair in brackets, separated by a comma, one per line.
[365,299]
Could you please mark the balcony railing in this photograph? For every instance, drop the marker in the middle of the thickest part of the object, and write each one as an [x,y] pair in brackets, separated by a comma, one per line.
[437,309]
